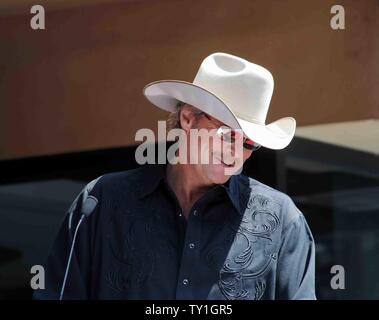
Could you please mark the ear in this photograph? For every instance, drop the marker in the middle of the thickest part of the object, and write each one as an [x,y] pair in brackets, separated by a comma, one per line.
[187,118]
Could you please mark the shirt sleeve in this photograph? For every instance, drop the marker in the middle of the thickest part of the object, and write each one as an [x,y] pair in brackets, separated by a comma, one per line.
[296,262]
[78,279]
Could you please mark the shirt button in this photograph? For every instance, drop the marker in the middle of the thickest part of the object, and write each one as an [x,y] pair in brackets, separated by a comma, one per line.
[195,212]
[185,282]
[192,245]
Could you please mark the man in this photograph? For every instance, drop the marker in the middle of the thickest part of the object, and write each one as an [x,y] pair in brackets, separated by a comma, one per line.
[191,230]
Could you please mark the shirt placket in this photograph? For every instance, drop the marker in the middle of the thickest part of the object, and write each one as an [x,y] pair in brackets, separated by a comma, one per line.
[190,257]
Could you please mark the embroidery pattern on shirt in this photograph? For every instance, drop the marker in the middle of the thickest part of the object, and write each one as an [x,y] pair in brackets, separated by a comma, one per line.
[250,242]
[135,266]
[136,260]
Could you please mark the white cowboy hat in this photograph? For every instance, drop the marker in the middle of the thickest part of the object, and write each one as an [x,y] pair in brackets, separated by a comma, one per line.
[234,91]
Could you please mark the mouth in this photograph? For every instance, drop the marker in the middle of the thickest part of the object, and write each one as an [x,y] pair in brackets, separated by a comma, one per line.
[225,164]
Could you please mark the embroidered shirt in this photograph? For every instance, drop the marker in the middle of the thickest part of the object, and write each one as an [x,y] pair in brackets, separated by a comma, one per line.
[242,240]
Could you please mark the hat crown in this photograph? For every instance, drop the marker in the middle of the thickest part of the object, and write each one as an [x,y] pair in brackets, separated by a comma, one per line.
[244,86]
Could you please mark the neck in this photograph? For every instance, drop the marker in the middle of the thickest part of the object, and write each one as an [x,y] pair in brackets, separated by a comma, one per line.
[185,182]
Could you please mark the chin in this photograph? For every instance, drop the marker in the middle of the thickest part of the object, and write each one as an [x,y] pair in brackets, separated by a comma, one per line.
[217,173]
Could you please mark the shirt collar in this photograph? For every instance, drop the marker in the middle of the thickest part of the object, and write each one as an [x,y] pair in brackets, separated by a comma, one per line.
[232,188]
[155,174]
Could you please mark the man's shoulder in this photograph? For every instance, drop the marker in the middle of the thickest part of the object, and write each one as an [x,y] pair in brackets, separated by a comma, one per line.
[127,175]
[125,180]
[254,186]
[270,199]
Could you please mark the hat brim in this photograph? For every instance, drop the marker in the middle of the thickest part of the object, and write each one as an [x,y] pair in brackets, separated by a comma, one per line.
[165,94]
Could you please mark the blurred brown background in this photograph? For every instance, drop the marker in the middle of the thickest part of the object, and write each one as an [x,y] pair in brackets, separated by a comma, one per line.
[78,84]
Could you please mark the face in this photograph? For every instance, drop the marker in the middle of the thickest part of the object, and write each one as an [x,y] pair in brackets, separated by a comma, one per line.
[224,158]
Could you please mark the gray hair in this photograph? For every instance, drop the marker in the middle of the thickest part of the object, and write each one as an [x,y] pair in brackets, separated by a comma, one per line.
[173,120]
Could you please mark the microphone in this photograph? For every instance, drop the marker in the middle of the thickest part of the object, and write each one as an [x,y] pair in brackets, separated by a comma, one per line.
[88,206]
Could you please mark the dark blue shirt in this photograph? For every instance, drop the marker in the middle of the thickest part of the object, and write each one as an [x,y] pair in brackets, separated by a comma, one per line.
[242,240]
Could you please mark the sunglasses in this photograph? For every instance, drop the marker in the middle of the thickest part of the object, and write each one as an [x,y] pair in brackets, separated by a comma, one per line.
[228,135]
